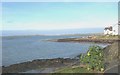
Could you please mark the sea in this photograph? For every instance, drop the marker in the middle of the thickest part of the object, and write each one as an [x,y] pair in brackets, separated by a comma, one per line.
[23,48]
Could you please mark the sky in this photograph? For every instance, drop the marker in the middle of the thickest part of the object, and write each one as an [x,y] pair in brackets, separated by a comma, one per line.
[58,15]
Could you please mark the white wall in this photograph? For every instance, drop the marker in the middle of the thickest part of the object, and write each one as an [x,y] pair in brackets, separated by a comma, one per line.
[108,32]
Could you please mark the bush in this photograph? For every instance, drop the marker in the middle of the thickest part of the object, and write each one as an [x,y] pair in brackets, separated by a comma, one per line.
[93,59]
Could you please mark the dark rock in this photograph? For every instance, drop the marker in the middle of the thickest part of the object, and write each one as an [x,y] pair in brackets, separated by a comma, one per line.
[38,64]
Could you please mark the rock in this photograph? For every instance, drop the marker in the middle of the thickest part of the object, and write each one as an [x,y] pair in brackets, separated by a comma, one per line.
[37,64]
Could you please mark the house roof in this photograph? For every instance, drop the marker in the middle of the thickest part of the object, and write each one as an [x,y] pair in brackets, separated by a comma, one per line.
[108,28]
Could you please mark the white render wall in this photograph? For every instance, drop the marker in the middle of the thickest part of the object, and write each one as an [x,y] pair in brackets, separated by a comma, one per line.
[108,32]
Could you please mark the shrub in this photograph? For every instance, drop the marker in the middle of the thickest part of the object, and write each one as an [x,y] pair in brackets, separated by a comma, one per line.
[94,58]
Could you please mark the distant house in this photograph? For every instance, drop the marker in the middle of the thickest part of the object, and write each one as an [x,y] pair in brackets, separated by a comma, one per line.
[112,30]
[108,30]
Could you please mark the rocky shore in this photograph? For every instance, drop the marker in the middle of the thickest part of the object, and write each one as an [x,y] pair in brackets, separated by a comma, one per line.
[39,64]
[50,65]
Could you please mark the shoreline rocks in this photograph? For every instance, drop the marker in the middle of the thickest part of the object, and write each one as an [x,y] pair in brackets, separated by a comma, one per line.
[38,64]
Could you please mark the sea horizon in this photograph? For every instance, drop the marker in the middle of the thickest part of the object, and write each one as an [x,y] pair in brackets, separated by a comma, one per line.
[52,32]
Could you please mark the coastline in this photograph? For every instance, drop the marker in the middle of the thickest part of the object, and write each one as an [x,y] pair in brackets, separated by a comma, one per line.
[40,64]
[95,40]
[52,64]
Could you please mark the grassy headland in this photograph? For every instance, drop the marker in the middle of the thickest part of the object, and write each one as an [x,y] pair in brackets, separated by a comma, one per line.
[92,38]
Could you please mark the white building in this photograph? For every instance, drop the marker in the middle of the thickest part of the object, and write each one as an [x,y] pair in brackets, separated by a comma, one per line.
[112,30]
[108,30]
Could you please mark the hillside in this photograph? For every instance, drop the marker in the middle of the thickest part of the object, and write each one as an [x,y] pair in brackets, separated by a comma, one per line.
[111,55]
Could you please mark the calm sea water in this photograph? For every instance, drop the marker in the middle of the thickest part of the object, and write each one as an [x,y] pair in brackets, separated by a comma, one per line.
[17,49]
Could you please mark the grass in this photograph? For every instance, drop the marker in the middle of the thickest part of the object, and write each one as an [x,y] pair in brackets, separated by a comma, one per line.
[73,70]
[108,37]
